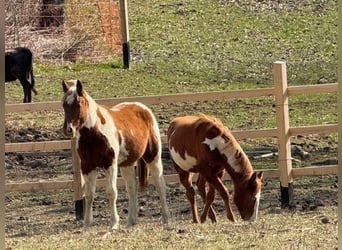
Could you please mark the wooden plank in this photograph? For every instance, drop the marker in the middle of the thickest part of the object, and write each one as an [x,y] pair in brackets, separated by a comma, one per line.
[239,134]
[156,99]
[31,107]
[37,146]
[313,89]
[315,171]
[283,123]
[247,134]
[183,97]
[188,97]
[172,178]
[318,129]
[78,181]
[38,186]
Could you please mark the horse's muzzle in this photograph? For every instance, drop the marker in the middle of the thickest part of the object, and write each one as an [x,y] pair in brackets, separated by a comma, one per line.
[69,130]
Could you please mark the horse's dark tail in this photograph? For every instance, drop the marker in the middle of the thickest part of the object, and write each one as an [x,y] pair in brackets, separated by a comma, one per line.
[29,55]
[143,173]
[32,82]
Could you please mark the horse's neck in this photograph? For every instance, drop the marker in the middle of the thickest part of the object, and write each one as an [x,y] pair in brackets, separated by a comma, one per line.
[240,177]
[238,167]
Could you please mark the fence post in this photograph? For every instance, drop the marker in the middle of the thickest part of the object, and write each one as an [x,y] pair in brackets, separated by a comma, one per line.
[124,32]
[283,125]
[77,181]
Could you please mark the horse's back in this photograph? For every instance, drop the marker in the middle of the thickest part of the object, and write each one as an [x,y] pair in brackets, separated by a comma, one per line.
[196,139]
[132,115]
[188,130]
[185,136]
[18,64]
[138,129]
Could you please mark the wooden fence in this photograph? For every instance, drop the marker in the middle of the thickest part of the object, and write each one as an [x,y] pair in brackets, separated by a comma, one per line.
[283,132]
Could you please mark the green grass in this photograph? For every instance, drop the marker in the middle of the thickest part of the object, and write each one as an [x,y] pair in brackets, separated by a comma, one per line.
[201,46]
[198,46]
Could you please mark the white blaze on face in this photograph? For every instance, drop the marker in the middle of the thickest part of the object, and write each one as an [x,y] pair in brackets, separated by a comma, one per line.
[256,207]
[186,164]
[72,95]
[225,148]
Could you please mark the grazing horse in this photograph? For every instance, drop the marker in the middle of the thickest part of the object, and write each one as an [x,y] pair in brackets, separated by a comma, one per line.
[201,144]
[19,65]
[124,136]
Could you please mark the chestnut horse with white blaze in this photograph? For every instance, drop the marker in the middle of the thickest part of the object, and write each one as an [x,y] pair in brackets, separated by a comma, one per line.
[124,136]
[203,145]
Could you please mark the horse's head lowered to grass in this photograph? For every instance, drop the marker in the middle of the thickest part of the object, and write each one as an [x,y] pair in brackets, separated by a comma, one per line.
[201,144]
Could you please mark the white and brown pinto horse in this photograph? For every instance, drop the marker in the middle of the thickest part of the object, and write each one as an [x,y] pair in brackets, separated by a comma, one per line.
[124,136]
[201,144]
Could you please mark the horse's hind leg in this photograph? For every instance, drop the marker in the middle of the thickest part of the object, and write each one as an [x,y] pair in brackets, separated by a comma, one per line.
[89,191]
[156,168]
[128,173]
[27,90]
[201,181]
[186,180]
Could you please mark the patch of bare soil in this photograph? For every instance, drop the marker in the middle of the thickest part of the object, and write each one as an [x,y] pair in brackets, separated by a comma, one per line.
[32,213]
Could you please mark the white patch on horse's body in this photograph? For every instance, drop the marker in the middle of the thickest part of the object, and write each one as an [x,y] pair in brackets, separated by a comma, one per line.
[186,164]
[225,148]
[92,115]
[214,142]
[256,207]
[123,150]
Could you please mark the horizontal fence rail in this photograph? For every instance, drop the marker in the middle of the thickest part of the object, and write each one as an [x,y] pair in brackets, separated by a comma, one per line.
[185,97]
[170,178]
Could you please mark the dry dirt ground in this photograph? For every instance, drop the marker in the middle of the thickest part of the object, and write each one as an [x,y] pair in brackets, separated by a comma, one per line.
[34,213]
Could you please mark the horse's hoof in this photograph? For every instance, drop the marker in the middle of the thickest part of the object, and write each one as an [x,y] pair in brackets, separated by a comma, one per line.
[203,220]
[113,228]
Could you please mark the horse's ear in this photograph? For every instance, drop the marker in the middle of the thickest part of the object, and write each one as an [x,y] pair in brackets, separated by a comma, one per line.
[260,175]
[65,86]
[79,87]
[253,180]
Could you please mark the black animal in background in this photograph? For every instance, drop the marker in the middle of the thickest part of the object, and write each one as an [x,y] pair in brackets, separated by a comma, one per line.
[19,65]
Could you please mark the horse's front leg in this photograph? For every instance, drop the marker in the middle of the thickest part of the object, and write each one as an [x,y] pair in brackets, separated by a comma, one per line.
[218,184]
[128,173]
[186,180]
[112,194]
[89,191]
[201,182]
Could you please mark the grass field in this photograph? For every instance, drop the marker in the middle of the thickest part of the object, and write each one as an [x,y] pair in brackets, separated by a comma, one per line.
[196,46]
